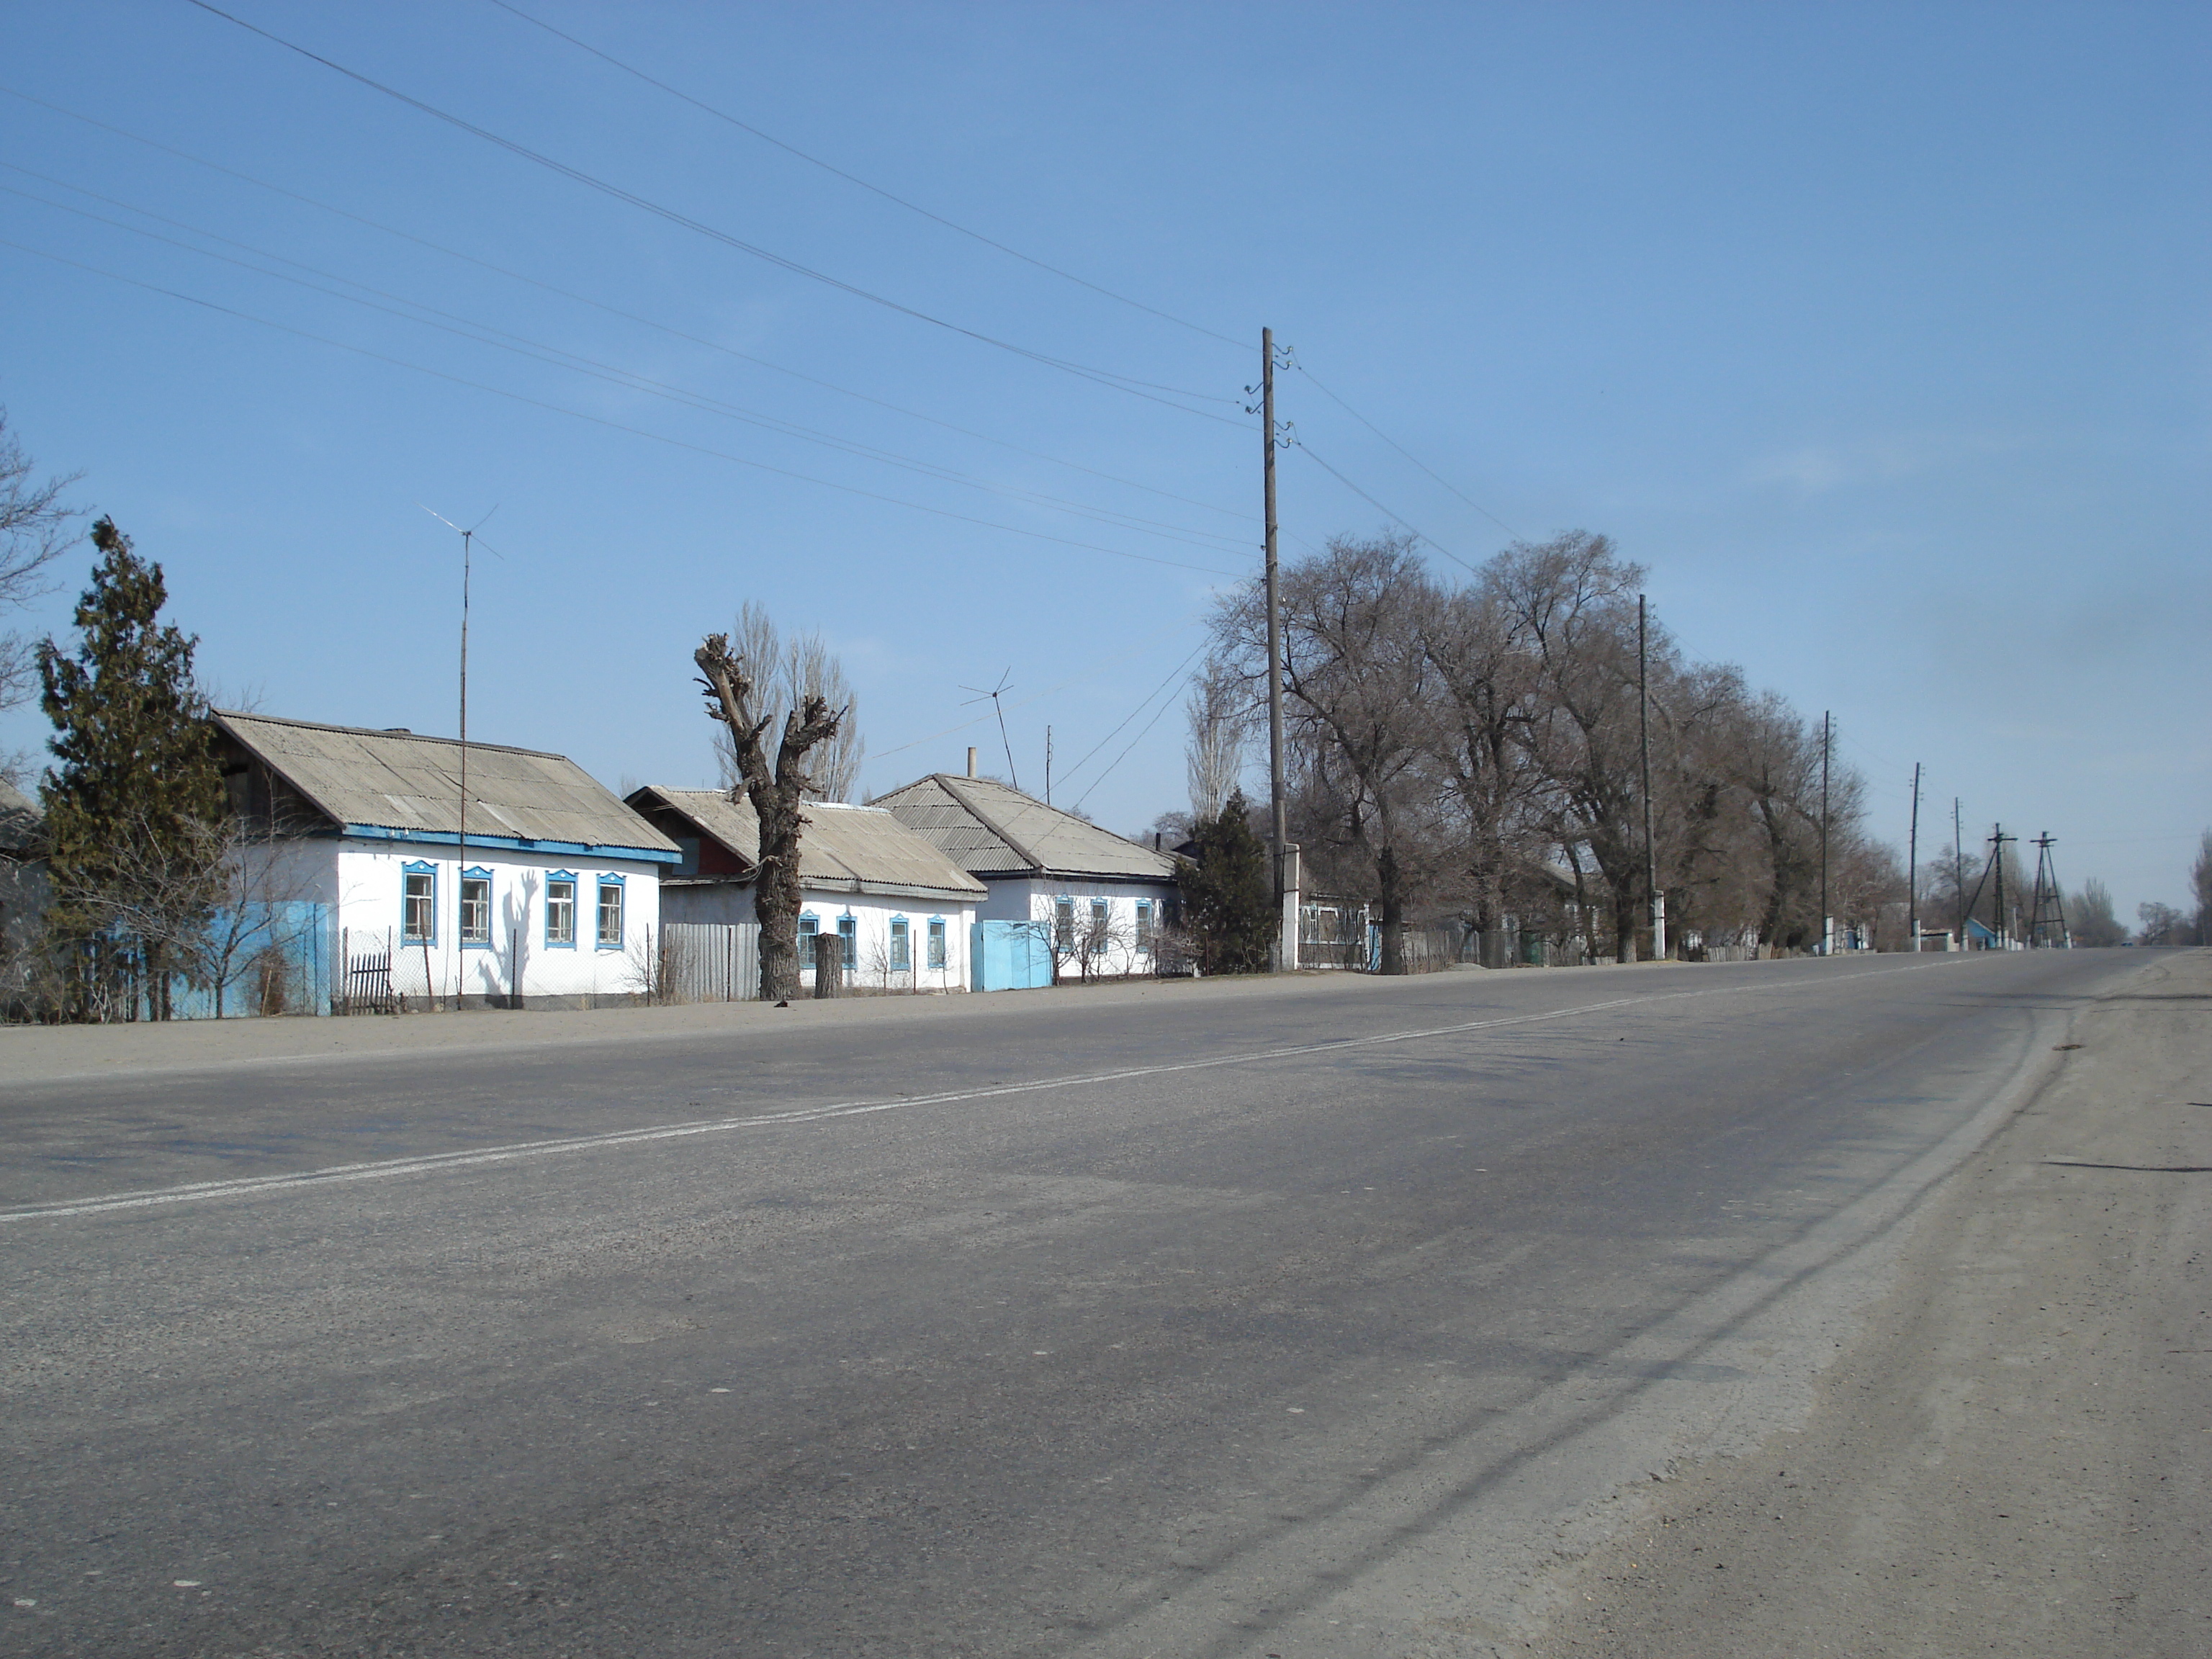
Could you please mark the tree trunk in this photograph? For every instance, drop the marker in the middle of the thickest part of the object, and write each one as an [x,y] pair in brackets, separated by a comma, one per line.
[775,796]
[776,893]
[1392,890]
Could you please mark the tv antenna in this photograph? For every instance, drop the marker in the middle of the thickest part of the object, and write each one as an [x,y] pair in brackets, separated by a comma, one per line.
[994,694]
[468,539]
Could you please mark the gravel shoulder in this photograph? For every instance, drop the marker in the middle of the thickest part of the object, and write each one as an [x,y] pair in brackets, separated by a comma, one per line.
[2013,1457]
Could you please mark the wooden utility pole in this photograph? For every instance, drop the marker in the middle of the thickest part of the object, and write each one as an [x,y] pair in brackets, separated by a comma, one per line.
[1657,900]
[1827,934]
[461,861]
[1959,856]
[1279,835]
[1912,867]
[1997,841]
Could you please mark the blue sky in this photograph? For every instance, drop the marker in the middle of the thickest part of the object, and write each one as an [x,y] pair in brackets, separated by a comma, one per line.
[1880,334]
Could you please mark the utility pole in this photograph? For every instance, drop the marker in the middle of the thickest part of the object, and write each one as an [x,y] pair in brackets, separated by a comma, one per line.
[1286,949]
[1047,766]
[1996,856]
[1827,933]
[1644,737]
[1959,855]
[2049,901]
[1912,867]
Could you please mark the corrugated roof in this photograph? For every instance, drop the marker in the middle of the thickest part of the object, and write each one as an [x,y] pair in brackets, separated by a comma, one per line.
[857,848]
[993,829]
[20,819]
[398,781]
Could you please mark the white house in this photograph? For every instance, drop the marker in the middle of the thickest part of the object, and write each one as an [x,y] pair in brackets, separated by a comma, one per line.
[904,911]
[543,891]
[1099,898]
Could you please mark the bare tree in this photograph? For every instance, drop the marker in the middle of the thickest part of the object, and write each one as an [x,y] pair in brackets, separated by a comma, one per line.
[2160,923]
[790,671]
[262,914]
[2200,887]
[1356,681]
[2089,914]
[745,699]
[1219,710]
[35,528]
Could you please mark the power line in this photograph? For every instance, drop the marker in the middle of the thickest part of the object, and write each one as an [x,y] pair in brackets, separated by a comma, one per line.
[1395,445]
[1420,534]
[1134,742]
[584,299]
[1145,389]
[597,420]
[1143,704]
[575,362]
[1072,679]
[852,178]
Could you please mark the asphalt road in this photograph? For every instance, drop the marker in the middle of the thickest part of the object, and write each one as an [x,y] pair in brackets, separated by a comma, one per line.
[1298,1320]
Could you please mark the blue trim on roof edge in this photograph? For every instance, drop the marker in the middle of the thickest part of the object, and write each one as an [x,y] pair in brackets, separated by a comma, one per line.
[583,849]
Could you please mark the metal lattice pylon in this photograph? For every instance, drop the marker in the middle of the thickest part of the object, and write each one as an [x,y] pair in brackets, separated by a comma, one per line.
[2046,916]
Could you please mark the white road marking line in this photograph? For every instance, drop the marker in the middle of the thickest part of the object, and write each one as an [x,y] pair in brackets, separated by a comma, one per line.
[434,1162]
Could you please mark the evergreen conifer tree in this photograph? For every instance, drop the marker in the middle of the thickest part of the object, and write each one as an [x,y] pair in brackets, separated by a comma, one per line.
[1229,903]
[134,802]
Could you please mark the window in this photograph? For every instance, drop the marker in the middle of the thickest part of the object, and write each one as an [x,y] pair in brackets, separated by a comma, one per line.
[476,909]
[560,909]
[809,926]
[1063,924]
[1143,924]
[848,927]
[418,903]
[937,941]
[611,913]
[902,946]
[1100,926]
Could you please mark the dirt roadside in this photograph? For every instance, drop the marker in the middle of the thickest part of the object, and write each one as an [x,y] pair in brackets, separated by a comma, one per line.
[2017,1456]
[55,1054]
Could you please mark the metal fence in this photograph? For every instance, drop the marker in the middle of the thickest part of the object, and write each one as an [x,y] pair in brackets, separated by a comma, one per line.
[709,961]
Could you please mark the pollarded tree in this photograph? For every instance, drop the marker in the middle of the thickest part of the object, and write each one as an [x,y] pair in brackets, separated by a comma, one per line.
[742,693]
[132,803]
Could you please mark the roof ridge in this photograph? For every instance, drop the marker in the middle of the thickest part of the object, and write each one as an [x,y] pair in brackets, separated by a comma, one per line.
[384,731]
[1027,854]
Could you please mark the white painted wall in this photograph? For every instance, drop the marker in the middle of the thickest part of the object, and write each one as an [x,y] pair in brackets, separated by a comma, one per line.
[365,884]
[1028,900]
[728,902]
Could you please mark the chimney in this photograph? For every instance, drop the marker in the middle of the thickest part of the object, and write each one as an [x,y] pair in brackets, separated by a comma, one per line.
[971,759]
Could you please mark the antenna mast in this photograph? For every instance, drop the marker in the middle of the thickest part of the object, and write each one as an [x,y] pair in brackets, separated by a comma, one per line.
[461,863]
[994,694]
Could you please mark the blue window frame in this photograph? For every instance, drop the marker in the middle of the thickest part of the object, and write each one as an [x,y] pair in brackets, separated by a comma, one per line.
[809,926]
[418,903]
[937,941]
[902,946]
[1143,924]
[1063,925]
[849,929]
[611,913]
[561,910]
[1101,926]
[476,909]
